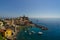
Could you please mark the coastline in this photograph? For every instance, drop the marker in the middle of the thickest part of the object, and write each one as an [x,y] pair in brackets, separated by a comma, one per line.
[11,27]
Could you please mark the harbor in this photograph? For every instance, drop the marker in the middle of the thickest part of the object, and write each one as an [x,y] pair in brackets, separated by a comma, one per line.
[9,28]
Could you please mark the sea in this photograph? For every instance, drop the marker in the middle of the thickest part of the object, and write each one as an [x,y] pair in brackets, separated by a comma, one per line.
[53,32]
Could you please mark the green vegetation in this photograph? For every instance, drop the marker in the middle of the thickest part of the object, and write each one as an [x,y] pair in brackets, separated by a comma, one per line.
[1,38]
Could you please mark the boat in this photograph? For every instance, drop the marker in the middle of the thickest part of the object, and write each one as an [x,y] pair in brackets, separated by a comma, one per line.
[33,31]
[40,33]
[25,31]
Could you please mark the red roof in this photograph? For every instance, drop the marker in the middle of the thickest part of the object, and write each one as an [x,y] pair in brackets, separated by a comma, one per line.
[1,30]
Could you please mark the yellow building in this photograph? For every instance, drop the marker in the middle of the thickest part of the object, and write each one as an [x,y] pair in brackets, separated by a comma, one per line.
[8,33]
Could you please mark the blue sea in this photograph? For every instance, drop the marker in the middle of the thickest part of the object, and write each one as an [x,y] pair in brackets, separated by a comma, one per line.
[53,32]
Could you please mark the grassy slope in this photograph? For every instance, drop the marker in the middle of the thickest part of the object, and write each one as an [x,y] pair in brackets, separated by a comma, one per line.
[1,38]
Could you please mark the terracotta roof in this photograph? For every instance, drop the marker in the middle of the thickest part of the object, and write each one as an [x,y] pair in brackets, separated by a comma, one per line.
[1,30]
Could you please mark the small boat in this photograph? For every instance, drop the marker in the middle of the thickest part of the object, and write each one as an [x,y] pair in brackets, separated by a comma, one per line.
[30,33]
[40,33]
[33,32]
[25,31]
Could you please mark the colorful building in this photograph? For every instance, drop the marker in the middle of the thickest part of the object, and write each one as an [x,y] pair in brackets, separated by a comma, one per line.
[8,32]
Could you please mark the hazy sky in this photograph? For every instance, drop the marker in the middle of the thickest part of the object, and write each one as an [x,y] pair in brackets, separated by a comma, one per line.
[31,8]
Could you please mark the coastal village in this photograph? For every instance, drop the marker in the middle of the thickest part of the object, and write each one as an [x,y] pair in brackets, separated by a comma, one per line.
[9,28]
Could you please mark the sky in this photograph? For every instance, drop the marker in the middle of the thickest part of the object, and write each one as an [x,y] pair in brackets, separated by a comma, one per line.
[30,8]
